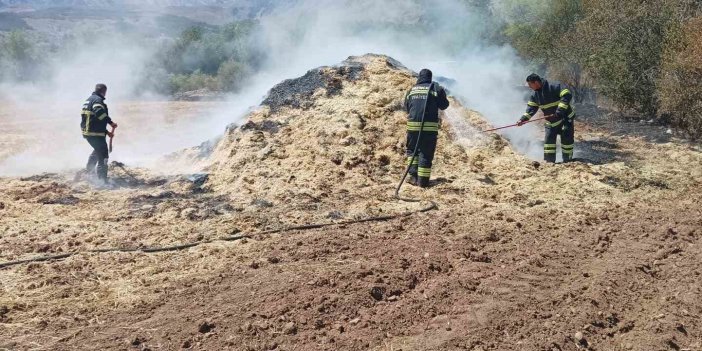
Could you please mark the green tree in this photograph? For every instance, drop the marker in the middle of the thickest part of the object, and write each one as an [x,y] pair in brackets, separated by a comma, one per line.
[232,74]
[215,59]
[623,43]
[543,32]
[19,56]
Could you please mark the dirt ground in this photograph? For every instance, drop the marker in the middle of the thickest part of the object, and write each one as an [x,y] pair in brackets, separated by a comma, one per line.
[600,254]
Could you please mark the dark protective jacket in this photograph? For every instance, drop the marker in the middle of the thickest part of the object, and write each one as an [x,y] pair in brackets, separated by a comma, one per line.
[94,117]
[414,104]
[552,99]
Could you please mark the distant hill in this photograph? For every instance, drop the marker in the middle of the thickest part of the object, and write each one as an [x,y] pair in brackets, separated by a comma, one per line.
[54,18]
[11,21]
[37,4]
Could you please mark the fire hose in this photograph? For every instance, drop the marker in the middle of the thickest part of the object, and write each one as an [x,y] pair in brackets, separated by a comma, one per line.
[431,206]
[230,238]
[179,247]
[112,135]
[517,124]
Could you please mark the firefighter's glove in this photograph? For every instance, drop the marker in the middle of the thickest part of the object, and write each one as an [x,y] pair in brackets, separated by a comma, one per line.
[522,120]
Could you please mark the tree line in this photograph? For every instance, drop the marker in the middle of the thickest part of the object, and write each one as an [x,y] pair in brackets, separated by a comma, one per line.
[643,56]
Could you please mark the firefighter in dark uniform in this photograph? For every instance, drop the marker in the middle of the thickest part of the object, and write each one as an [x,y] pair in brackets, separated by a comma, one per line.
[434,97]
[94,120]
[554,101]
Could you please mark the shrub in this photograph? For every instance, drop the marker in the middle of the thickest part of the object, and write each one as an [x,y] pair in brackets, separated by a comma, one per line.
[624,44]
[18,57]
[680,85]
[193,81]
[232,74]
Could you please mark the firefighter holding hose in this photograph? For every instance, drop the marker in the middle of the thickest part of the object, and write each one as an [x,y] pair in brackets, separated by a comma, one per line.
[555,103]
[423,103]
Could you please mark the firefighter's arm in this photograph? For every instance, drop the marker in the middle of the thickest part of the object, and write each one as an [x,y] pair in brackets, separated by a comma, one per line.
[101,113]
[407,102]
[532,108]
[566,96]
[443,102]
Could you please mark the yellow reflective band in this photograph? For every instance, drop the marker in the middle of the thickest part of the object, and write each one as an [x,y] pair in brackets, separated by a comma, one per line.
[87,124]
[414,123]
[414,162]
[531,103]
[563,106]
[565,92]
[550,151]
[568,152]
[571,114]
[421,171]
[102,116]
[428,126]
[421,93]
[423,130]
[568,147]
[553,104]
[526,115]
[554,124]
[93,134]
[98,106]
[549,146]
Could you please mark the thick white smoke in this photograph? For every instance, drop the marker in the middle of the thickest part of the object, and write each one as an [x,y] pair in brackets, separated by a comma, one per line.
[443,35]
[488,78]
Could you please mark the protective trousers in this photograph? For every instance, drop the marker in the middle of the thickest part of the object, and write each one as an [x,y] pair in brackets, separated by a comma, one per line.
[567,132]
[98,157]
[421,166]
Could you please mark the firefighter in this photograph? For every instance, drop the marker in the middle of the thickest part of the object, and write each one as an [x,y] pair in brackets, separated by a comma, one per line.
[94,120]
[554,101]
[428,93]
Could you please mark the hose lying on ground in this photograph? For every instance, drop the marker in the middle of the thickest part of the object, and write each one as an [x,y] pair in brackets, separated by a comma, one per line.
[226,238]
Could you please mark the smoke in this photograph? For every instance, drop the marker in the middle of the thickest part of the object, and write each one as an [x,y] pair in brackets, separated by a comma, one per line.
[447,36]
[54,102]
